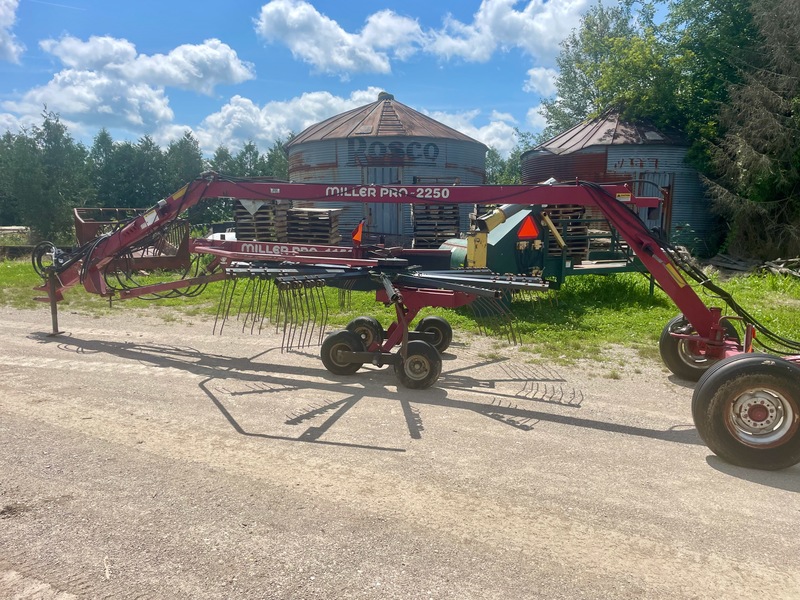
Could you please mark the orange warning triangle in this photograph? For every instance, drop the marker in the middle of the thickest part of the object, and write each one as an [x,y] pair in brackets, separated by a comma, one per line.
[528,230]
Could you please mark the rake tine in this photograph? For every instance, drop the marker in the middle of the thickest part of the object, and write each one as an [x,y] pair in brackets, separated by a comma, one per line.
[255,313]
[281,306]
[274,303]
[480,319]
[288,310]
[323,304]
[297,313]
[228,289]
[245,293]
[269,287]
[301,317]
[308,323]
[311,298]
[252,291]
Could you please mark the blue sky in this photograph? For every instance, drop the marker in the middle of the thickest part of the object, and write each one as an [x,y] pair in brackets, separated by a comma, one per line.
[256,70]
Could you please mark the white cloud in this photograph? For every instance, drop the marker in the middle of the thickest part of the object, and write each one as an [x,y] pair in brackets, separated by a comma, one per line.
[498,133]
[323,43]
[96,53]
[537,29]
[10,48]
[506,117]
[241,119]
[535,119]
[542,81]
[94,98]
[197,67]
[106,83]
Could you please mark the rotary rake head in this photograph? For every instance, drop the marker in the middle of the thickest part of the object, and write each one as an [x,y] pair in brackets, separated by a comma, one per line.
[290,297]
[259,297]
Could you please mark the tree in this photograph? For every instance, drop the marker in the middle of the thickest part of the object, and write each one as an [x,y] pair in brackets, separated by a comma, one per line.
[47,175]
[494,166]
[184,161]
[222,161]
[249,162]
[715,42]
[277,160]
[136,175]
[101,160]
[583,55]
[758,158]
[9,211]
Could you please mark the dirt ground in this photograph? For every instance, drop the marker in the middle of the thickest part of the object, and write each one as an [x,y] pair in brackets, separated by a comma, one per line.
[146,459]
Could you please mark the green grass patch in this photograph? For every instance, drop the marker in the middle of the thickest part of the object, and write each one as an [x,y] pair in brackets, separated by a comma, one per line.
[580,321]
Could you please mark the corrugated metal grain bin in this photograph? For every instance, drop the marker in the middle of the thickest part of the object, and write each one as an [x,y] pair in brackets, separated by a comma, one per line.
[387,142]
[607,149]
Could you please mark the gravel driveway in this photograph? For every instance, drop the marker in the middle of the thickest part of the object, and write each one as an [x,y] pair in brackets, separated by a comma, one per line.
[151,459]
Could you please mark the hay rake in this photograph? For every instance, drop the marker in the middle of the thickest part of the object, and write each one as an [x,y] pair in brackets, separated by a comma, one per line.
[290,298]
[746,405]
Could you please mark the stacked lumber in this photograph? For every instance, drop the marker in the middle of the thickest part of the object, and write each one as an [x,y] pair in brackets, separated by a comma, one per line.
[780,266]
[264,221]
[723,261]
[314,226]
[434,224]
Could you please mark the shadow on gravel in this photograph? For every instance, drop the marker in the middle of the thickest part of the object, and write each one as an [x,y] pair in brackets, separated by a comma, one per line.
[786,479]
[505,397]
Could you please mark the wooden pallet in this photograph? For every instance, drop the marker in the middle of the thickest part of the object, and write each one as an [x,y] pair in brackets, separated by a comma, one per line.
[434,224]
[568,222]
[268,223]
[314,225]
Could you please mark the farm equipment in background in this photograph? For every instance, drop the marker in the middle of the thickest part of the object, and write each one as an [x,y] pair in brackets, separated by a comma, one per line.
[746,406]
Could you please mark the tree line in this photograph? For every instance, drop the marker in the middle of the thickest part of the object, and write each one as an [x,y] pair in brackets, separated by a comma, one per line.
[723,74]
[45,174]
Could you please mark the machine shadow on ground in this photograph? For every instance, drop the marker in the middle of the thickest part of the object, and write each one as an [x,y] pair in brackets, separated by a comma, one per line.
[506,399]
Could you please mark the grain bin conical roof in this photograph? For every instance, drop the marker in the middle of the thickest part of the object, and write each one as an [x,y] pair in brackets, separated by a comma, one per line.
[385,117]
[608,129]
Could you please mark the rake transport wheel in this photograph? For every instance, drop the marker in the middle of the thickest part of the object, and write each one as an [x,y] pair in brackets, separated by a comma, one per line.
[441,330]
[747,410]
[368,329]
[684,357]
[422,366]
[333,345]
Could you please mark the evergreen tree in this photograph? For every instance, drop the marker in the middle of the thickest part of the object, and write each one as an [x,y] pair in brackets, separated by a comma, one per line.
[758,159]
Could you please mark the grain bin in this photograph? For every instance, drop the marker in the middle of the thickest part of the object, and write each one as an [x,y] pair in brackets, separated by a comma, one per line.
[387,142]
[607,149]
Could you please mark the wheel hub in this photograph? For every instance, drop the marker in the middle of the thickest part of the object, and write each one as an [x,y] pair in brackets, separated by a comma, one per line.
[758,411]
[761,417]
[417,367]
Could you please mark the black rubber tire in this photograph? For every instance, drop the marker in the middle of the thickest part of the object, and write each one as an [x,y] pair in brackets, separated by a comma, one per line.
[677,355]
[421,367]
[441,330]
[722,363]
[335,342]
[368,329]
[765,383]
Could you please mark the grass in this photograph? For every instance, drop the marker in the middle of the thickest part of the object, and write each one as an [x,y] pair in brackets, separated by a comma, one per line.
[582,320]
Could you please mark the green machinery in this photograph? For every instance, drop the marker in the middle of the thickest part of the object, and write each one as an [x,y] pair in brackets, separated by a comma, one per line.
[552,242]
